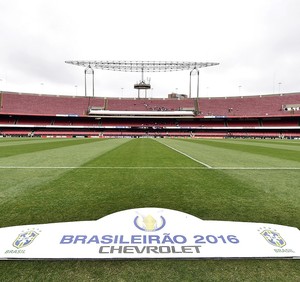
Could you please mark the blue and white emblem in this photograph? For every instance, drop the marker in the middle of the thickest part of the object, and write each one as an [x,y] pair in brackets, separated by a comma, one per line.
[273,238]
[25,238]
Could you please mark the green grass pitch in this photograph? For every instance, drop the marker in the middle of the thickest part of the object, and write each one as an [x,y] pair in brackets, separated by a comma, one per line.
[59,180]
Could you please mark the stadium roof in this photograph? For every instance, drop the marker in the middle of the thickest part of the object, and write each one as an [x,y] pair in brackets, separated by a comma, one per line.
[142,66]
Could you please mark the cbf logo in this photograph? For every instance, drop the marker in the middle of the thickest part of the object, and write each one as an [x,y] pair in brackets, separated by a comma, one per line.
[149,222]
[25,238]
[273,237]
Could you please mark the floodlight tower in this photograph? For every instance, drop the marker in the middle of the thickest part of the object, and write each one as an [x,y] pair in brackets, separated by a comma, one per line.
[89,81]
[141,66]
[195,69]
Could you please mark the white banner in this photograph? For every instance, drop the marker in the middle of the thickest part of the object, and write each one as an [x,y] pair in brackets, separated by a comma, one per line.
[149,233]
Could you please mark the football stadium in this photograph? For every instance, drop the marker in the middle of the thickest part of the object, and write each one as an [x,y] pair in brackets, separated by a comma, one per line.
[82,158]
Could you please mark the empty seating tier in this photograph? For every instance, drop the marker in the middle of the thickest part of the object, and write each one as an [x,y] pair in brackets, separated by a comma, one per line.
[47,115]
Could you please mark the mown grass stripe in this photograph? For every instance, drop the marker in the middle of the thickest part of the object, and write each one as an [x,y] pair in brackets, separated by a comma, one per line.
[256,168]
[148,167]
[289,154]
[74,155]
[188,156]
[149,174]
[141,153]
[13,150]
[17,142]
[97,167]
[217,155]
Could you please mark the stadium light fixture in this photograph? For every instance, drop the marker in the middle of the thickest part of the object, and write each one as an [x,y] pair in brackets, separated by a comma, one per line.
[279,87]
[145,66]
[142,66]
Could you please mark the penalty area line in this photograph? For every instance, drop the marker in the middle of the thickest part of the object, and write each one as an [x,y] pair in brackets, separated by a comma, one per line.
[256,168]
[188,156]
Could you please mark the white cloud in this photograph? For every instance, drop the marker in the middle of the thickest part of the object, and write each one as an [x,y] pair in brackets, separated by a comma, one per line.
[255,41]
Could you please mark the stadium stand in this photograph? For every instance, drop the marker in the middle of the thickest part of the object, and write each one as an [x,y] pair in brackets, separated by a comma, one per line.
[149,104]
[47,104]
[280,122]
[259,106]
[268,116]
[242,123]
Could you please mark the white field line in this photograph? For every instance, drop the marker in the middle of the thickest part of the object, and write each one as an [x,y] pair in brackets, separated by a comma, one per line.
[148,167]
[256,168]
[96,167]
[188,156]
